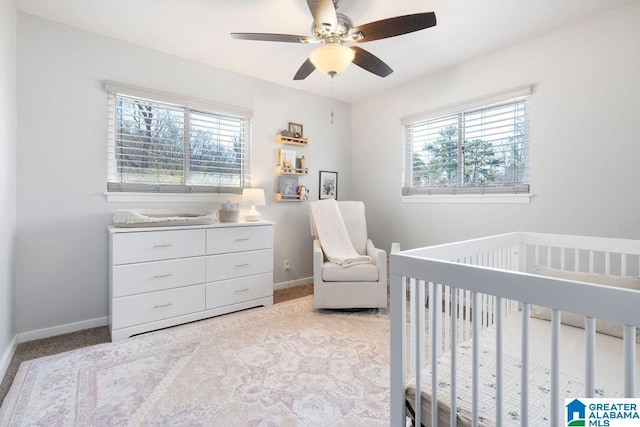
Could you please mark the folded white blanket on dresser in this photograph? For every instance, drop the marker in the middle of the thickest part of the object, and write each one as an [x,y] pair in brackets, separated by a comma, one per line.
[329,229]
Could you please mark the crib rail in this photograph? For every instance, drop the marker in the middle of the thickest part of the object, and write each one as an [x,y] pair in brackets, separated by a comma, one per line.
[472,285]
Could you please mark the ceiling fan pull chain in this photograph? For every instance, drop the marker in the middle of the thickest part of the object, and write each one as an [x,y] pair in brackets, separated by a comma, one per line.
[332,76]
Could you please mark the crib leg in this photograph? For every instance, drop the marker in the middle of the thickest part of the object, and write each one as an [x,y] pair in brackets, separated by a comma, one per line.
[398,289]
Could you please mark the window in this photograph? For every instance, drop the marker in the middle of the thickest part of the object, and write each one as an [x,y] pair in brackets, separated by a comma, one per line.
[476,148]
[163,143]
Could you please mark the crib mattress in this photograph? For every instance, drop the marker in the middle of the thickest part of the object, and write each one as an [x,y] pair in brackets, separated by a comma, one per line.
[609,374]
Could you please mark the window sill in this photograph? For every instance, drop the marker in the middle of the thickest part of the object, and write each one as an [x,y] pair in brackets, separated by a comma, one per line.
[469,198]
[171,197]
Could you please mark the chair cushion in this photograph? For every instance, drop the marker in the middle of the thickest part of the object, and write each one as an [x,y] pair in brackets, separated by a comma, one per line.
[332,272]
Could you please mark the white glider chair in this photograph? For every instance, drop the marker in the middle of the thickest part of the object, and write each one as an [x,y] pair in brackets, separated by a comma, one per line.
[356,286]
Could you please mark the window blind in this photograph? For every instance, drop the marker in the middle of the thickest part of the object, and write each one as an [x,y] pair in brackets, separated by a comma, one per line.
[477,147]
[164,143]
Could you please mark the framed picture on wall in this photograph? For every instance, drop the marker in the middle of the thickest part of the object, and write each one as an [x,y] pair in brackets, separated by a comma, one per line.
[328,185]
[295,129]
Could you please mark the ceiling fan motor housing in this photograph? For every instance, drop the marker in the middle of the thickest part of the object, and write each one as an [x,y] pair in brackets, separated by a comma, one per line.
[327,34]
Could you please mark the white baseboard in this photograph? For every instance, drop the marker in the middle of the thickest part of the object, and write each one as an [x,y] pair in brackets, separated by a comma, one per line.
[62,329]
[292,283]
[7,356]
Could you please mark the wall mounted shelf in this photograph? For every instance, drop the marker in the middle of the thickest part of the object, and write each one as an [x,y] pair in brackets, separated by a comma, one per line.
[281,171]
[290,166]
[291,140]
[281,198]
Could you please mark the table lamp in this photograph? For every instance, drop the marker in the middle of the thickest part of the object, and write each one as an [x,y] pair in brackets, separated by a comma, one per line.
[253,197]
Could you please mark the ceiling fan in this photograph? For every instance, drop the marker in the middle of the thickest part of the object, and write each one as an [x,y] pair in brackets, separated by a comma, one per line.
[334,30]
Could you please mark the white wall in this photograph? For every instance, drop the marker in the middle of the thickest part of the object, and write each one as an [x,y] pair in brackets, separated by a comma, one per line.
[61,273]
[585,148]
[7,174]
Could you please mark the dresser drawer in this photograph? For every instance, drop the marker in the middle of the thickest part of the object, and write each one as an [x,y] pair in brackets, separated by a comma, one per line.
[229,266]
[233,291]
[137,309]
[130,279]
[237,239]
[157,245]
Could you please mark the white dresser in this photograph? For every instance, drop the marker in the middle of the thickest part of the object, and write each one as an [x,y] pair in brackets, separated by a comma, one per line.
[165,276]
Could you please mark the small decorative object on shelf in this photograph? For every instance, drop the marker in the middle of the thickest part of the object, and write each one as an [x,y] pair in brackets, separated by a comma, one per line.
[288,185]
[295,130]
[287,160]
[303,192]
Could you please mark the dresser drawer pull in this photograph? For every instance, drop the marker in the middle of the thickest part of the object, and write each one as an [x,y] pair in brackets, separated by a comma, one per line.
[163,246]
[246,264]
[163,276]
[162,305]
[239,291]
[242,239]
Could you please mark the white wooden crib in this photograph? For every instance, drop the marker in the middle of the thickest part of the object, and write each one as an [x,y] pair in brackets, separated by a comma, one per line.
[488,361]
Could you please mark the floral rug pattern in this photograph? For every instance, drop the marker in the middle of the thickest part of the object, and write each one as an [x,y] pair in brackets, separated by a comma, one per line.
[285,365]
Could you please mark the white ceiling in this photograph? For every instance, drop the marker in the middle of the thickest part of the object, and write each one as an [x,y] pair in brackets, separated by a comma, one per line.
[199,30]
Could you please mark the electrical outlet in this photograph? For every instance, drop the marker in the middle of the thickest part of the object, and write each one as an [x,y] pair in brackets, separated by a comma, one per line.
[286,265]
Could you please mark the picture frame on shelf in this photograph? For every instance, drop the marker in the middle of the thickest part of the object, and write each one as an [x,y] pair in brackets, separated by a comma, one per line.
[328,184]
[288,187]
[296,130]
[287,160]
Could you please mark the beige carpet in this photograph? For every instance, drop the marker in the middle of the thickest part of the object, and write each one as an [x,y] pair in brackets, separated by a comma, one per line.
[285,365]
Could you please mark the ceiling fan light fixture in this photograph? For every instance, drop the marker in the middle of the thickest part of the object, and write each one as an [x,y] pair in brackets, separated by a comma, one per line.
[332,58]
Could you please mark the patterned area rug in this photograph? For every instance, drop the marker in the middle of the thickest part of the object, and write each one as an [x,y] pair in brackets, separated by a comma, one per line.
[285,365]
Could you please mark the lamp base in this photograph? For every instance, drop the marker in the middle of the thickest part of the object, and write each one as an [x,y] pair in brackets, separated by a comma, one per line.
[252,214]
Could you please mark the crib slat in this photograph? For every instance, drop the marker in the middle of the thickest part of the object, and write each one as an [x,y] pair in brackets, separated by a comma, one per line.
[467,318]
[549,256]
[555,366]
[448,318]
[629,349]
[524,369]
[413,321]
[590,356]
[398,295]
[499,318]
[475,344]
[419,348]
[454,360]
[434,332]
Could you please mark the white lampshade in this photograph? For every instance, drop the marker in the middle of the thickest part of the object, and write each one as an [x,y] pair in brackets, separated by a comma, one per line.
[253,197]
[332,58]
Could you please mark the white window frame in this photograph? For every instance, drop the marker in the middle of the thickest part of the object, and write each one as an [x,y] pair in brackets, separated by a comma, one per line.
[124,192]
[458,194]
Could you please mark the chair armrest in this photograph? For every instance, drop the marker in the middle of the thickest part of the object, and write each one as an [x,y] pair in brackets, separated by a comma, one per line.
[318,261]
[378,257]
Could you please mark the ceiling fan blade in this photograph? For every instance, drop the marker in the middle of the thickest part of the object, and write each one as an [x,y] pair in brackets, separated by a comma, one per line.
[268,37]
[324,13]
[392,27]
[368,61]
[305,69]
